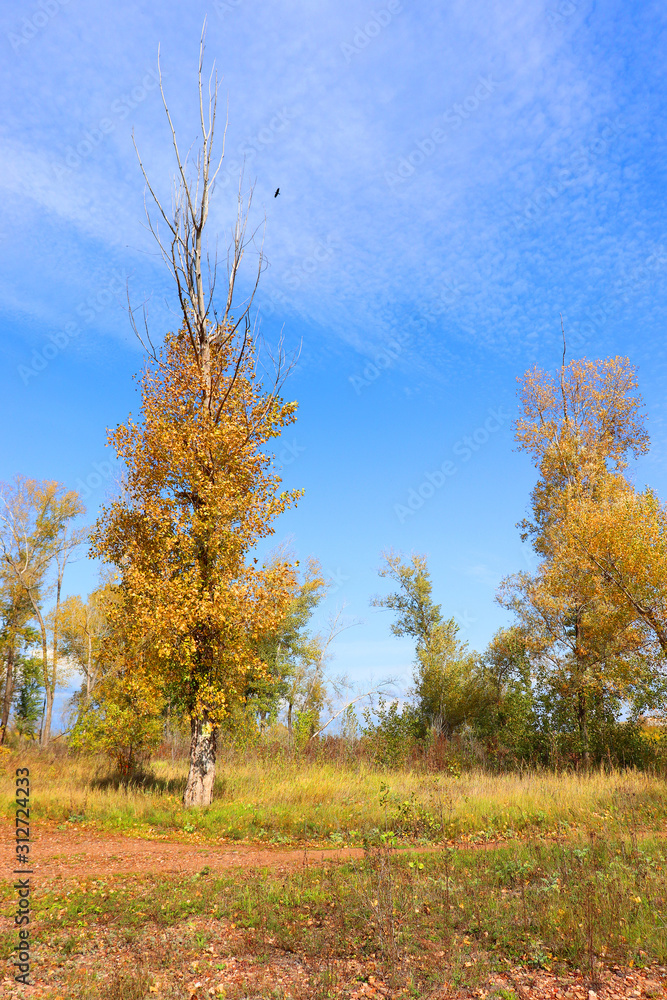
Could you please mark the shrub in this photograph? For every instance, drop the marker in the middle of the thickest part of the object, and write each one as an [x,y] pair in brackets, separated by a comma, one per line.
[123,723]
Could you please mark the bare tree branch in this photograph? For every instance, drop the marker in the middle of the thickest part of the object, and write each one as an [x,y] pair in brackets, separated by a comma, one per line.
[187,256]
[366,694]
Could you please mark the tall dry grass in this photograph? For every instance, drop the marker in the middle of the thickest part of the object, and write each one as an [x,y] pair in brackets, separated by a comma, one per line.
[291,799]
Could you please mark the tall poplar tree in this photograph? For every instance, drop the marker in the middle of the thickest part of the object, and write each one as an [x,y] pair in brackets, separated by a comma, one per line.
[580,428]
[199,488]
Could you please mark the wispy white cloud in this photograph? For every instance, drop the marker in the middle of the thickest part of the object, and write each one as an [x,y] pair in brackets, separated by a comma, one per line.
[522,190]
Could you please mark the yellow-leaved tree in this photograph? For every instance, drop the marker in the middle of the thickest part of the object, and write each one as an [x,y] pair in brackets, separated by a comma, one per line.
[86,634]
[620,535]
[580,428]
[199,488]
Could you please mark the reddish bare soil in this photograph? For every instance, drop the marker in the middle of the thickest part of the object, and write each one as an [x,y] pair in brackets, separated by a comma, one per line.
[75,853]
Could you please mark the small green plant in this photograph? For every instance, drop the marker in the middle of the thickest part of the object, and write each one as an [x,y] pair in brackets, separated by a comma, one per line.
[122,725]
[68,945]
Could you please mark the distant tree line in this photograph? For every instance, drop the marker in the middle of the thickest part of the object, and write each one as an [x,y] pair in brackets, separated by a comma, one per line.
[578,677]
[580,674]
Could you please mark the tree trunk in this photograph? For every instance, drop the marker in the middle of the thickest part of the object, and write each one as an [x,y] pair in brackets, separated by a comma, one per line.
[51,687]
[89,667]
[9,690]
[582,719]
[582,707]
[41,721]
[45,731]
[199,787]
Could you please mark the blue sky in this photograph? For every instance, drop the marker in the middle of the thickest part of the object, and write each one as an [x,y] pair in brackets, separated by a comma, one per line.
[452,178]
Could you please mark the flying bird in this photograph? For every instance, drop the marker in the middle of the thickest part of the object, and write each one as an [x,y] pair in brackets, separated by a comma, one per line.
[277,193]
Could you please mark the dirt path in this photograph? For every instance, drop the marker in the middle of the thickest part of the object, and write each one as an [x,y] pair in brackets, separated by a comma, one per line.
[76,853]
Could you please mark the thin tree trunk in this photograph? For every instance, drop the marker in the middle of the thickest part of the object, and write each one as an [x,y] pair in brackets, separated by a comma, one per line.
[44,731]
[582,716]
[9,690]
[89,667]
[582,719]
[47,717]
[51,687]
[203,745]
[41,721]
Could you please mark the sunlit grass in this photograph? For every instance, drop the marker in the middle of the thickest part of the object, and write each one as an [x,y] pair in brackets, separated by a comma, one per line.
[290,800]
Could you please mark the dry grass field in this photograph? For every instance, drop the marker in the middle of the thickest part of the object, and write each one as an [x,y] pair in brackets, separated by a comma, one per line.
[289,801]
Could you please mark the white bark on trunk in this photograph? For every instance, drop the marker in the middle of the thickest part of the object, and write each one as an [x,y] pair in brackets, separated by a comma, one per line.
[199,787]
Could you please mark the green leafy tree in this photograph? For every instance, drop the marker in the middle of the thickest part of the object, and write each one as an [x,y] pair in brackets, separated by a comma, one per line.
[509,722]
[29,696]
[16,633]
[36,541]
[392,732]
[292,657]
[123,720]
[417,615]
[123,713]
[448,685]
